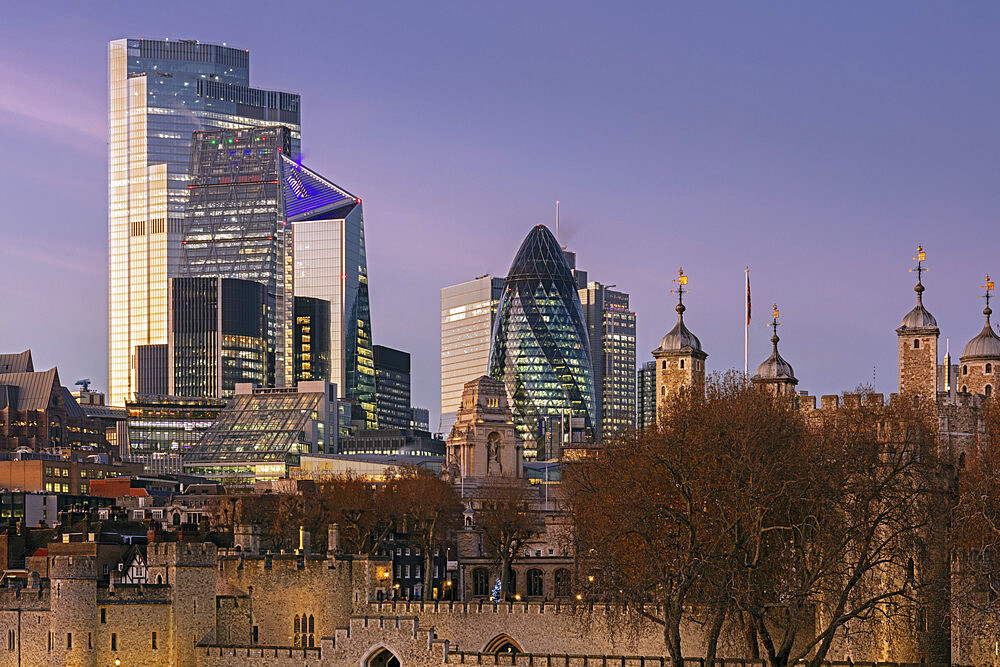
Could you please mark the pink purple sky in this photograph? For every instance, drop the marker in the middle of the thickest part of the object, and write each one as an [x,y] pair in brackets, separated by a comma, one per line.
[817,143]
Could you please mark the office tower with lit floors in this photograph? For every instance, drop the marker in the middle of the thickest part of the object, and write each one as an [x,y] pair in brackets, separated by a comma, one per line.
[541,350]
[468,311]
[160,91]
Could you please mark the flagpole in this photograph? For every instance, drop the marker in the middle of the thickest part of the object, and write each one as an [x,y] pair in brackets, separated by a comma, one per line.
[746,329]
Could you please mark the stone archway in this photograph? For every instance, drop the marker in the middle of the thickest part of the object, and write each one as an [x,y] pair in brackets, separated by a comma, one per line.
[382,657]
[502,643]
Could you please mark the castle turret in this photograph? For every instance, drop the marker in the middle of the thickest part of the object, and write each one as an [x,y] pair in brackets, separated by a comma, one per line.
[981,356]
[680,361]
[918,344]
[775,373]
[72,627]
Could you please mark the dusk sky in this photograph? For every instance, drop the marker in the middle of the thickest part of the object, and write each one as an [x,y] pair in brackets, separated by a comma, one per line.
[817,143]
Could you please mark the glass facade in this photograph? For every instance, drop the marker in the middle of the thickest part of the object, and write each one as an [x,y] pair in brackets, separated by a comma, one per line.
[234,226]
[392,387]
[217,335]
[312,339]
[262,432]
[468,311]
[611,329]
[328,231]
[161,429]
[160,92]
[646,396]
[541,351]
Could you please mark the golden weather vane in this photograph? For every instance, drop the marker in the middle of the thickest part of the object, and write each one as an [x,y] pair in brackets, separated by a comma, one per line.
[920,257]
[774,319]
[988,287]
[681,281]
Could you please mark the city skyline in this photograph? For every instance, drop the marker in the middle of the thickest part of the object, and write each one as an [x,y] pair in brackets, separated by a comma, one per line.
[813,149]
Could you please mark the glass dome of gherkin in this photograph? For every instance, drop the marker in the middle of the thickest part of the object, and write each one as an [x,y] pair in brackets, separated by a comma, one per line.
[540,348]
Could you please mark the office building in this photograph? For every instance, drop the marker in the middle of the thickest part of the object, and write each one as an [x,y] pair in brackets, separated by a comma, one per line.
[420,419]
[152,368]
[330,264]
[541,350]
[160,91]
[392,387]
[392,442]
[235,226]
[161,429]
[611,329]
[312,339]
[262,432]
[468,312]
[217,335]
[646,396]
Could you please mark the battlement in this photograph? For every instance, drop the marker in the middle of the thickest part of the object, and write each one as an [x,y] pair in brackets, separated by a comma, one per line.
[391,608]
[27,599]
[73,567]
[191,554]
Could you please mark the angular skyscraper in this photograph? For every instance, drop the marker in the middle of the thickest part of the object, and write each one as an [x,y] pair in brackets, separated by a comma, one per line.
[468,311]
[328,231]
[161,91]
[646,396]
[611,328]
[235,226]
[541,350]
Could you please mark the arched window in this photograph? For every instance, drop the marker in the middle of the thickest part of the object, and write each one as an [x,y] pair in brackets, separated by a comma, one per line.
[382,658]
[916,343]
[535,583]
[564,586]
[965,370]
[965,389]
[989,368]
[663,390]
[480,582]
[682,363]
[988,391]
[664,363]
[297,634]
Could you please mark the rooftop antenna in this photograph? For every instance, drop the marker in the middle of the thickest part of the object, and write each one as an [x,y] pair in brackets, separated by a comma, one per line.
[85,383]
[557,220]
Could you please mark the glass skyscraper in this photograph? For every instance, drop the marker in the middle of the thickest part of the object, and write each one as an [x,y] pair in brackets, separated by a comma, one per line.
[328,231]
[235,226]
[218,335]
[392,387]
[468,311]
[611,328]
[160,91]
[645,413]
[541,350]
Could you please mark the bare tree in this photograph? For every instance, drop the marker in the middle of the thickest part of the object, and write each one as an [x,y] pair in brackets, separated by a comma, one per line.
[507,518]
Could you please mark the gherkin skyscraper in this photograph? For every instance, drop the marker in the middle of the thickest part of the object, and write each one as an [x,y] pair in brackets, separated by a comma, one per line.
[540,349]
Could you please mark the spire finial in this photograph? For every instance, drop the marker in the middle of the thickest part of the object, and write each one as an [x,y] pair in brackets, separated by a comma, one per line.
[774,325]
[921,257]
[987,294]
[681,281]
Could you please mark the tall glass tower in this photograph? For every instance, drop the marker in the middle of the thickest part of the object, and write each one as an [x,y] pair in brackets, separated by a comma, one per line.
[541,350]
[160,91]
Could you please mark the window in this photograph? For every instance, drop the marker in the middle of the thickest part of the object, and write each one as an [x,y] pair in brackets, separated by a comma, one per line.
[535,582]
[104,614]
[965,389]
[988,391]
[965,370]
[916,343]
[10,640]
[114,641]
[152,643]
[922,619]
[480,582]
[961,461]
[69,641]
[682,364]
[664,364]
[989,368]
[90,640]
